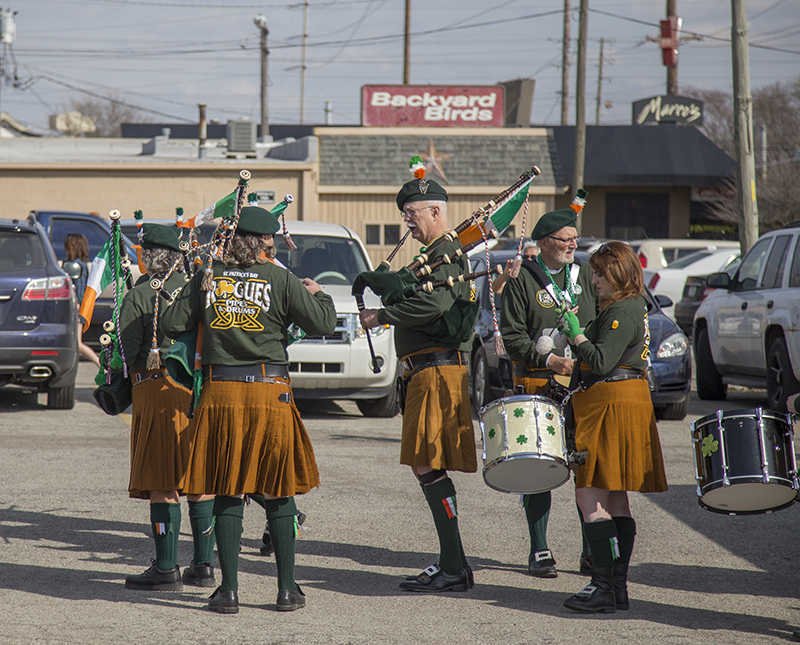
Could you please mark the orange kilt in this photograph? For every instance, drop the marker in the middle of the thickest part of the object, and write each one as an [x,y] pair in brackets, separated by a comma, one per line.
[540,386]
[248,441]
[437,421]
[616,425]
[161,436]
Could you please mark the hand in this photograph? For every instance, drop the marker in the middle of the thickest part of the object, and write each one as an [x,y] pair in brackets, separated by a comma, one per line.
[570,325]
[369,318]
[560,365]
[312,286]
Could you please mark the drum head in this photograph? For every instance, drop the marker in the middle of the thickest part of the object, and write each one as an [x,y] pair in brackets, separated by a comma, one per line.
[526,474]
[749,499]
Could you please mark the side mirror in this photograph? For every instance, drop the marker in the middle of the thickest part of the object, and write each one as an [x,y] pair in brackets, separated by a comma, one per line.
[663,301]
[72,269]
[719,281]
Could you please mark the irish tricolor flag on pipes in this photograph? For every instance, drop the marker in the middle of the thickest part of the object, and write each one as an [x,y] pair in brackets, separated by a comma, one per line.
[225,207]
[100,276]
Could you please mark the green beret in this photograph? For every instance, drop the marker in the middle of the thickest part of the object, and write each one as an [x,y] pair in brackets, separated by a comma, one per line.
[553,221]
[159,236]
[411,192]
[258,221]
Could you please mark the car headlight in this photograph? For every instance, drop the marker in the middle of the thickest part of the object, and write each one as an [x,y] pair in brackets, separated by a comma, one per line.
[375,331]
[673,346]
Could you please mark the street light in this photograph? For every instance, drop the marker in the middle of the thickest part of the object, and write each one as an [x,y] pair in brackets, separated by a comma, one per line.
[261,22]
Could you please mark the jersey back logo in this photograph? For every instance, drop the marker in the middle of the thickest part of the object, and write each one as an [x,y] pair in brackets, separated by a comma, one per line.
[237,303]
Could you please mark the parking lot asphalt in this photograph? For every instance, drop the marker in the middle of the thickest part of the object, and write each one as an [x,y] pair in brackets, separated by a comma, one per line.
[69,535]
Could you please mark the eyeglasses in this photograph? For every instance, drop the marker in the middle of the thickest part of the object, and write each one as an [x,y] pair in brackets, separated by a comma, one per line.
[605,248]
[414,211]
[565,240]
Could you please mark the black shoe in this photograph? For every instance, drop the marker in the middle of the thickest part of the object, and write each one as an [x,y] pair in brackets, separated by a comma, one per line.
[542,565]
[468,569]
[597,596]
[434,580]
[586,565]
[199,575]
[155,579]
[290,600]
[224,602]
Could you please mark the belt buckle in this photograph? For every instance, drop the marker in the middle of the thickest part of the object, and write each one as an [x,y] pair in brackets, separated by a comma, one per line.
[249,378]
[408,365]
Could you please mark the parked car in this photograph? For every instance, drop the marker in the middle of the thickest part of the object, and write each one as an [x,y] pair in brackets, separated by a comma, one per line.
[669,281]
[657,254]
[59,224]
[695,290]
[339,366]
[746,331]
[490,374]
[38,315]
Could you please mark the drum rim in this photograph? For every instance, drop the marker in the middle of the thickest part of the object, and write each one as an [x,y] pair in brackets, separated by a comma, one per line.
[518,397]
[719,511]
[527,455]
[525,492]
[747,413]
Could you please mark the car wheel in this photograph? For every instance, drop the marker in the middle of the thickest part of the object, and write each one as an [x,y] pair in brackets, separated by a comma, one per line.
[480,373]
[673,411]
[385,407]
[709,382]
[781,382]
[61,398]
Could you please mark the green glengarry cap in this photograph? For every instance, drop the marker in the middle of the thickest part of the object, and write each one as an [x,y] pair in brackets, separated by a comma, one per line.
[412,191]
[160,236]
[551,222]
[257,221]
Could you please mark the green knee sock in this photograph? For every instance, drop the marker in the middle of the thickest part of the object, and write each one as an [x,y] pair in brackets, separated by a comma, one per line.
[228,514]
[282,519]
[441,498]
[166,522]
[201,517]
[602,537]
[259,499]
[537,510]
[626,534]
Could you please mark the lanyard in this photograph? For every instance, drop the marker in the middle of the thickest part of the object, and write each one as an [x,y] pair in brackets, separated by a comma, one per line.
[573,299]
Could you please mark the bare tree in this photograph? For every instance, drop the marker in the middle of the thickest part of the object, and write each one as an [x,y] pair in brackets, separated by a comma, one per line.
[777,107]
[108,115]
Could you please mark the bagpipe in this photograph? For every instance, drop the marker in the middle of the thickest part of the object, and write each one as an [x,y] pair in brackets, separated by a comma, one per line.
[484,224]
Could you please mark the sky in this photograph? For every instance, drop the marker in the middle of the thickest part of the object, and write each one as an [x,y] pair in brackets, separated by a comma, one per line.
[166,56]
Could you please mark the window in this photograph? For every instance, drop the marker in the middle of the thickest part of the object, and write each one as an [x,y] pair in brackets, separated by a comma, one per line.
[773,272]
[747,277]
[794,276]
[391,233]
[373,234]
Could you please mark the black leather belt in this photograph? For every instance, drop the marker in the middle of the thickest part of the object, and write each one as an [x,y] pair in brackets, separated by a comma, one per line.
[418,362]
[617,374]
[259,373]
[141,377]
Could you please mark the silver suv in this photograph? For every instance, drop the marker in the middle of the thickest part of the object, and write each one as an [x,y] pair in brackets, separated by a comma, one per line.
[747,332]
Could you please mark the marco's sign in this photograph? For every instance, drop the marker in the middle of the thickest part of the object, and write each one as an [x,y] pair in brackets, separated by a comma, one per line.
[431,105]
[668,109]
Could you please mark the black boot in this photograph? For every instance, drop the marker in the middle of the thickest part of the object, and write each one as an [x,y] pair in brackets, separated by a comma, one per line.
[621,586]
[597,596]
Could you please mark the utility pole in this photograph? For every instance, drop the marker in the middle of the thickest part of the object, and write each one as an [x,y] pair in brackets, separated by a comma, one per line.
[743,130]
[565,65]
[672,70]
[580,103]
[261,22]
[407,45]
[762,137]
[8,32]
[599,84]
[303,65]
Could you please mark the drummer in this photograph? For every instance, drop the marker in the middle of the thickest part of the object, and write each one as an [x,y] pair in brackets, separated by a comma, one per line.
[615,424]
[552,279]
[438,434]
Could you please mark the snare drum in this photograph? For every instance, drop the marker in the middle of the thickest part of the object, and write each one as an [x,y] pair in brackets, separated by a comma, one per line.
[524,449]
[745,462]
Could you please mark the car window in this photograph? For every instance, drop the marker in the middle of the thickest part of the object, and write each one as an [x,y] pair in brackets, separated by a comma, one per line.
[95,233]
[676,254]
[776,263]
[747,277]
[21,251]
[691,258]
[794,275]
[325,259]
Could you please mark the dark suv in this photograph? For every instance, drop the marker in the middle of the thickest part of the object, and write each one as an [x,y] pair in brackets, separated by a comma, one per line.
[38,315]
[57,225]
